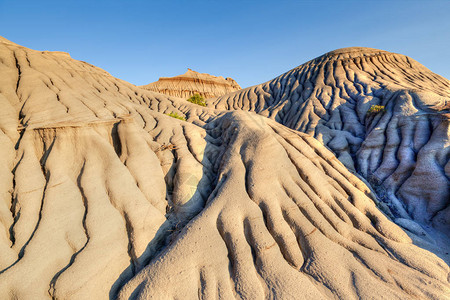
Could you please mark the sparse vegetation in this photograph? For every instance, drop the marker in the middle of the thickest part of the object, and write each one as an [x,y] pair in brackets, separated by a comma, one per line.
[176,116]
[165,146]
[197,99]
[374,109]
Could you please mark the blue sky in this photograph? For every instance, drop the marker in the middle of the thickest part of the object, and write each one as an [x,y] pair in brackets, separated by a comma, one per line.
[250,41]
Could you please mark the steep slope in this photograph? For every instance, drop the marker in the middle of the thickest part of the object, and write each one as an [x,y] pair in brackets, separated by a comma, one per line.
[191,82]
[103,195]
[403,151]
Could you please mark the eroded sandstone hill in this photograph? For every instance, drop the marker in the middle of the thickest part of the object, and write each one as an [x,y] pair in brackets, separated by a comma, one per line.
[105,196]
[403,150]
[192,82]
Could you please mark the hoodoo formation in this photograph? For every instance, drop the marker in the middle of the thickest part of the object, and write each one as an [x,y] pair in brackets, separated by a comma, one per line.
[293,189]
[191,82]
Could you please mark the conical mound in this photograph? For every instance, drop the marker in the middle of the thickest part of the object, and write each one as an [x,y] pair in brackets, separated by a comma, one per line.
[384,115]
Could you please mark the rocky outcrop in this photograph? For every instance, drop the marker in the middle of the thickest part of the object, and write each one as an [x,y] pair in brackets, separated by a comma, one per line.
[190,83]
[104,196]
[402,151]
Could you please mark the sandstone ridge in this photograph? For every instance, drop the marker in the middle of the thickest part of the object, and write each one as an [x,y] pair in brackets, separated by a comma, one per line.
[192,82]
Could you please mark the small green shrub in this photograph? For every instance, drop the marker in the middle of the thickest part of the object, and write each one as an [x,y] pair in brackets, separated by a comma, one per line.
[197,99]
[374,109]
[176,116]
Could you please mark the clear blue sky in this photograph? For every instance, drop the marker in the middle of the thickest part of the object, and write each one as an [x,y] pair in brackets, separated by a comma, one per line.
[250,41]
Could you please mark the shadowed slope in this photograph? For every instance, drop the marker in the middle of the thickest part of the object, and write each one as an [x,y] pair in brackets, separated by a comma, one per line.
[403,151]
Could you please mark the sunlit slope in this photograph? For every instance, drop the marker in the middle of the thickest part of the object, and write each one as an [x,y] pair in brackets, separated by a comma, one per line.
[84,184]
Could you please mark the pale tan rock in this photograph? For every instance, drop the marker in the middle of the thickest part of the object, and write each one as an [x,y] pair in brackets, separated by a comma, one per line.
[104,196]
[192,82]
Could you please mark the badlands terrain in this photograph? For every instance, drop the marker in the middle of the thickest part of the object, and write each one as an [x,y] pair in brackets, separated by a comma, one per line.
[292,189]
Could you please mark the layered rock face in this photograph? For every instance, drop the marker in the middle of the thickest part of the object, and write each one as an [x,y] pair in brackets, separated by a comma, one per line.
[402,151]
[104,196]
[190,83]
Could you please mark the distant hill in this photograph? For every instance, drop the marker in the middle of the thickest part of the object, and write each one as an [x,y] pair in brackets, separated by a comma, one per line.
[192,82]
